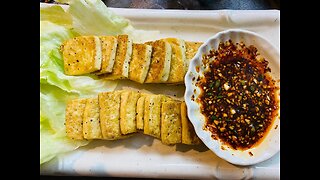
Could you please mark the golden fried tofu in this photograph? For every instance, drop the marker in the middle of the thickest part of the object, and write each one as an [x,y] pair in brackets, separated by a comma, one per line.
[140,62]
[160,62]
[191,50]
[128,111]
[166,98]
[109,103]
[81,55]
[123,56]
[171,122]
[108,48]
[91,119]
[140,112]
[178,66]
[74,118]
[152,121]
[188,133]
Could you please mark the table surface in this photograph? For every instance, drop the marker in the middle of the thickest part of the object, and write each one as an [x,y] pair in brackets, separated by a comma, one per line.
[192,4]
[187,5]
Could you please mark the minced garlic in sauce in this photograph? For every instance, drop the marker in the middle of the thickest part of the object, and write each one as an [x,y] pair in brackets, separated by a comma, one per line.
[238,95]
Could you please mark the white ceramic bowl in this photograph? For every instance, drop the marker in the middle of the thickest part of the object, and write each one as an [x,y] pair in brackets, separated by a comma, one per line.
[271,142]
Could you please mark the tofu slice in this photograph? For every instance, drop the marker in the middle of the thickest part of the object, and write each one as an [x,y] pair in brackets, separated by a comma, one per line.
[74,118]
[108,49]
[188,133]
[81,55]
[140,62]
[140,112]
[152,110]
[160,62]
[171,130]
[123,56]
[178,66]
[109,104]
[191,50]
[91,119]
[166,98]
[128,104]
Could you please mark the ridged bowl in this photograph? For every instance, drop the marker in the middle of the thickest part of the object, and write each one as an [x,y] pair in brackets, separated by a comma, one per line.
[271,142]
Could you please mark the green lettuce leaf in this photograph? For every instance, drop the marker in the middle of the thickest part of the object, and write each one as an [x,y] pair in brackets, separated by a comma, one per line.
[51,64]
[52,72]
[53,139]
[56,88]
[57,15]
[81,17]
[51,36]
[54,142]
[94,18]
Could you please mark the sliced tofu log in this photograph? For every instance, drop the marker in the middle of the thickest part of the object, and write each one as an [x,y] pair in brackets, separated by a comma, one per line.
[188,133]
[152,121]
[171,122]
[91,120]
[160,62]
[178,66]
[140,112]
[108,48]
[140,62]
[109,103]
[123,56]
[128,104]
[81,55]
[74,118]
[191,50]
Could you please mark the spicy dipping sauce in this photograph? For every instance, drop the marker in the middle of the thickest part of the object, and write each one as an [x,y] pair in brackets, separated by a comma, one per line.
[238,96]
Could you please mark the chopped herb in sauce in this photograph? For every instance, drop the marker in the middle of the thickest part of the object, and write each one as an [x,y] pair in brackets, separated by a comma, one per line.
[238,96]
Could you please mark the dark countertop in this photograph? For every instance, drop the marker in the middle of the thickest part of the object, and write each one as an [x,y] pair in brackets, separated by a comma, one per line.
[195,4]
[192,4]
[182,4]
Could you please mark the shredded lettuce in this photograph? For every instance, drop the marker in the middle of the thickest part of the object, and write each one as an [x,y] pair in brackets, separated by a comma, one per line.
[82,17]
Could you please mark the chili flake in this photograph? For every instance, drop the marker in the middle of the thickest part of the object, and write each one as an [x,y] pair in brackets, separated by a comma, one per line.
[238,95]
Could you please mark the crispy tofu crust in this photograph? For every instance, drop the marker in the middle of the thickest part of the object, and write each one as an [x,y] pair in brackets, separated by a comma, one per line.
[188,133]
[123,56]
[152,121]
[160,62]
[166,98]
[140,62]
[191,50]
[178,66]
[128,112]
[91,120]
[108,48]
[171,122]
[118,114]
[109,103]
[74,118]
[81,55]
[140,112]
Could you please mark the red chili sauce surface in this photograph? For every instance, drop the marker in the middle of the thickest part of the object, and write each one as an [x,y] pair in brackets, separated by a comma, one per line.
[238,96]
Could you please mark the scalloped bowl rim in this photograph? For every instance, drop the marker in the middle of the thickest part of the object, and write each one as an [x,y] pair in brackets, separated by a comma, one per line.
[271,142]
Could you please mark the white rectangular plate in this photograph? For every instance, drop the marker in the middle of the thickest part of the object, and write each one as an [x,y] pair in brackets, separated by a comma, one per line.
[144,156]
